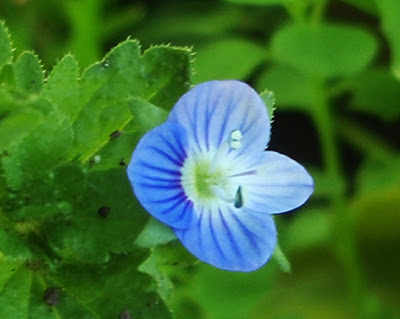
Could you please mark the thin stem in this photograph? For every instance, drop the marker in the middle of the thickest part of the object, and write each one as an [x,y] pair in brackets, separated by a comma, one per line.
[318,11]
[345,245]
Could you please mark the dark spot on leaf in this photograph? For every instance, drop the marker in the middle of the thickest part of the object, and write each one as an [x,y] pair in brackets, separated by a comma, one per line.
[125,315]
[122,162]
[115,135]
[103,211]
[51,296]
[13,269]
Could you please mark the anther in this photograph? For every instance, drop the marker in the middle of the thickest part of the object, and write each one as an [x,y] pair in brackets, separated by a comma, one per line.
[238,198]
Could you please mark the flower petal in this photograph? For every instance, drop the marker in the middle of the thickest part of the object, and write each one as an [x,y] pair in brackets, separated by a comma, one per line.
[231,239]
[272,183]
[211,111]
[155,175]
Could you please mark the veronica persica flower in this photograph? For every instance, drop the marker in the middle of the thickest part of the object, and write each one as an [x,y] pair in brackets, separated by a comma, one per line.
[206,174]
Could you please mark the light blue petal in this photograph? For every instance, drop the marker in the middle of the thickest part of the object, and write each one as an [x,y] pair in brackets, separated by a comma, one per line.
[231,239]
[272,183]
[154,173]
[212,110]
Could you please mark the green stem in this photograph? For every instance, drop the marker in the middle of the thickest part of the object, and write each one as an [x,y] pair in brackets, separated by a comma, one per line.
[318,11]
[85,20]
[345,244]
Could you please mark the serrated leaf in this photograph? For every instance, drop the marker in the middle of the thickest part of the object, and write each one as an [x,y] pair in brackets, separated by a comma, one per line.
[389,13]
[326,50]
[124,73]
[269,99]
[109,291]
[5,46]
[28,73]
[107,220]
[377,92]
[155,233]
[63,88]
[233,58]
[33,157]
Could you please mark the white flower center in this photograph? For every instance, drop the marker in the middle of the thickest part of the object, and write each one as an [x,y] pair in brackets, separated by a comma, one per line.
[205,176]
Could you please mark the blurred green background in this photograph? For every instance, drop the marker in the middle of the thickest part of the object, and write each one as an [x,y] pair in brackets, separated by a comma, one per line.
[334,67]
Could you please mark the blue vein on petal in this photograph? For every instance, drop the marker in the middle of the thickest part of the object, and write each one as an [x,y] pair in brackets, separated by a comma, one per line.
[164,170]
[233,242]
[165,200]
[250,234]
[181,150]
[183,212]
[215,239]
[169,157]
[177,203]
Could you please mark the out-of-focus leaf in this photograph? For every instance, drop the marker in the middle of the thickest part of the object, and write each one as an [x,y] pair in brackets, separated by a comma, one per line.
[377,92]
[63,88]
[232,58]
[310,228]
[28,73]
[368,6]
[220,294]
[374,176]
[389,13]
[106,221]
[257,2]
[155,233]
[5,46]
[324,51]
[291,88]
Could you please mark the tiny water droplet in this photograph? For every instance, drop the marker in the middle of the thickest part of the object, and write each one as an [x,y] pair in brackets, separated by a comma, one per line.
[96,159]
[105,64]
[234,139]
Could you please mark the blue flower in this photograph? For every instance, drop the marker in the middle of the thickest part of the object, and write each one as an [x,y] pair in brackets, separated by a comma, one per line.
[206,174]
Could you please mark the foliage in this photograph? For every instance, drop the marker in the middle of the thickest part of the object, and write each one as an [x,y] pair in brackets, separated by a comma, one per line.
[75,243]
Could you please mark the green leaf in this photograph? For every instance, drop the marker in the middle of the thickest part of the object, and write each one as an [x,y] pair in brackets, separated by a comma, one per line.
[124,73]
[152,267]
[269,99]
[367,6]
[12,246]
[32,159]
[106,220]
[5,46]
[377,92]
[155,233]
[63,88]
[17,125]
[258,2]
[389,13]
[120,145]
[324,51]
[291,88]
[231,58]
[28,73]
[109,291]
[374,176]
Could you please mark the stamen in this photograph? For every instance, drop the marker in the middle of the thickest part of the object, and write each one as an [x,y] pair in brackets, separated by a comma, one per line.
[234,139]
[239,198]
